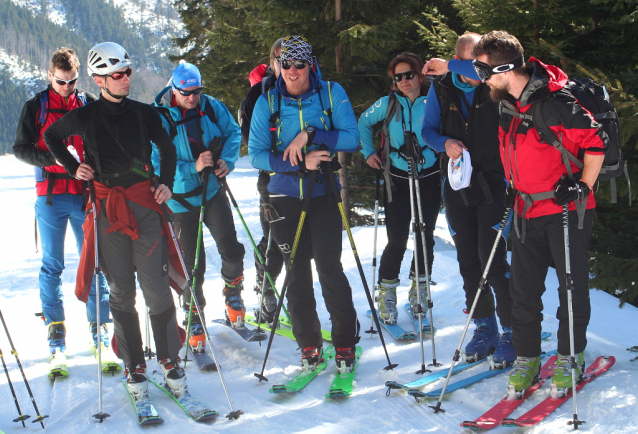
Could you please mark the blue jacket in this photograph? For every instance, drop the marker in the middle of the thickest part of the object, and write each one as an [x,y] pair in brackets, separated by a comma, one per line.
[297,113]
[410,114]
[186,177]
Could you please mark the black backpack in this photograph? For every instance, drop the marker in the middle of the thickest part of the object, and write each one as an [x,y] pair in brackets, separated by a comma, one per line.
[594,97]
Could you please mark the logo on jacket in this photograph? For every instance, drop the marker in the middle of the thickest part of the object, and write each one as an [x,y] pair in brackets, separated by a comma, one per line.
[453,107]
[285,248]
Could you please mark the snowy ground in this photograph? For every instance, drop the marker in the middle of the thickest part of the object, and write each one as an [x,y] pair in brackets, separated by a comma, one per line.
[71,402]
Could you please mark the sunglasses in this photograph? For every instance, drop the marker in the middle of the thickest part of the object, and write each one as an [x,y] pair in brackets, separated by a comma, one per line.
[485,71]
[408,76]
[190,92]
[287,64]
[65,82]
[120,75]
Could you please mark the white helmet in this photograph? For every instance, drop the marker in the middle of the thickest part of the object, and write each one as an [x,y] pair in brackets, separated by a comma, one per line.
[106,58]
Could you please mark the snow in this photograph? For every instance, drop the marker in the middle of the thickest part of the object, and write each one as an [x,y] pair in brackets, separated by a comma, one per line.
[607,404]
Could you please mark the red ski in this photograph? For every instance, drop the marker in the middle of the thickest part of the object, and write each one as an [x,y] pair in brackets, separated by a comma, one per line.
[549,404]
[507,406]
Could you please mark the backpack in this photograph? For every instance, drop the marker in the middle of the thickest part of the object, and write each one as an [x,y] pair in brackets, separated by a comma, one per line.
[45,110]
[594,97]
[172,124]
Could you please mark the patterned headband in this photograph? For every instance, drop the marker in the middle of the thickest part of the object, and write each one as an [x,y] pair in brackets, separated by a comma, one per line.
[296,48]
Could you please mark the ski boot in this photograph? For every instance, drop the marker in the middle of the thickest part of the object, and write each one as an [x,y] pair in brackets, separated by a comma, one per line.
[484,341]
[57,334]
[504,355]
[267,306]
[414,300]
[562,378]
[235,309]
[310,358]
[136,381]
[104,334]
[345,358]
[197,337]
[387,301]
[525,374]
[175,377]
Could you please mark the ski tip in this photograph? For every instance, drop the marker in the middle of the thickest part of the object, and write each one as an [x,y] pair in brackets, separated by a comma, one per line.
[150,420]
[393,385]
[470,424]
[278,388]
[509,422]
[233,415]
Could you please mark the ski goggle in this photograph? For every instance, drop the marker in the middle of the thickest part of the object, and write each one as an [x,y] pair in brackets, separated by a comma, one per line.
[190,92]
[120,75]
[65,82]
[485,71]
[408,76]
[287,64]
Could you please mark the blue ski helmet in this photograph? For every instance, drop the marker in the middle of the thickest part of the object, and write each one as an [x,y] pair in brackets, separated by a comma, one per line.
[186,75]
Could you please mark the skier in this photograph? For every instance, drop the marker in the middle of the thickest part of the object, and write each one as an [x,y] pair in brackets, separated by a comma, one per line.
[326,119]
[131,231]
[409,89]
[59,195]
[194,120]
[269,304]
[533,167]
[460,115]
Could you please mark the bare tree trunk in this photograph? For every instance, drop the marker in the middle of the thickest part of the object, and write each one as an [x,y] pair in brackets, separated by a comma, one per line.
[343,157]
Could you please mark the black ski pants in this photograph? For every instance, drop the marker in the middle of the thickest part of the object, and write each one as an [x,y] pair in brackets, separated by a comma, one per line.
[474,227]
[120,258]
[320,239]
[218,218]
[545,244]
[275,258]
[397,220]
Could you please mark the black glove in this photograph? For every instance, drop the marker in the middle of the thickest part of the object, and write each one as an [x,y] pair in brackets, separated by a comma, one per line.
[568,191]
[510,197]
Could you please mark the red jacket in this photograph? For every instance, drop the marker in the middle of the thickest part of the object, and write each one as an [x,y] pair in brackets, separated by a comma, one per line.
[122,220]
[30,147]
[535,167]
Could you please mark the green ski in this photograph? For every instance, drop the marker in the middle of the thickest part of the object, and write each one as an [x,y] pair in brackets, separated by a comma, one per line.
[302,379]
[249,319]
[109,361]
[58,366]
[342,384]
[325,334]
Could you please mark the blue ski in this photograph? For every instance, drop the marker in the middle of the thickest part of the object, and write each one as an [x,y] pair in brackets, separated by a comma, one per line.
[397,332]
[146,412]
[425,322]
[431,377]
[195,409]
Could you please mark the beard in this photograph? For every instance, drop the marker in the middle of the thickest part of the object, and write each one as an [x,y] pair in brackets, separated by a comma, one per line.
[499,93]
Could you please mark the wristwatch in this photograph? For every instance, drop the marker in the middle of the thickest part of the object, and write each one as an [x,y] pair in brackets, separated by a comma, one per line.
[311,134]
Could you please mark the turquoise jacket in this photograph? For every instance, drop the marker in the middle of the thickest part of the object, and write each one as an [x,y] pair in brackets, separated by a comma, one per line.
[187,178]
[410,114]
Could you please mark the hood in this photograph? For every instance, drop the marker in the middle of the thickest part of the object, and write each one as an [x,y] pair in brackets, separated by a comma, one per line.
[164,98]
[280,84]
[543,80]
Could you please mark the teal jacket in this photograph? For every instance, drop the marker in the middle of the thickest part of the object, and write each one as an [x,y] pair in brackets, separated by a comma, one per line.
[409,114]
[187,178]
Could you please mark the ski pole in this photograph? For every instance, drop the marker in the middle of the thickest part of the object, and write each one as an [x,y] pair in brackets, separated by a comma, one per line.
[569,284]
[40,418]
[234,414]
[21,417]
[148,352]
[291,261]
[412,178]
[266,264]
[428,293]
[100,415]
[372,331]
[224,184]
[331,186]
[481,286]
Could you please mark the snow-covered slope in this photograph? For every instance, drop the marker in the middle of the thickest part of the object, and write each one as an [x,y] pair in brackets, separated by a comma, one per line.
[608,404]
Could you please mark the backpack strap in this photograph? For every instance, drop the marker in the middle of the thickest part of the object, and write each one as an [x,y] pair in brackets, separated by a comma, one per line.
[390,113]
[274,119]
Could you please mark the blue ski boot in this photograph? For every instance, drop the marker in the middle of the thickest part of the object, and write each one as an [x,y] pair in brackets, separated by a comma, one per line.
[484,341]
[504,355]
[104,334]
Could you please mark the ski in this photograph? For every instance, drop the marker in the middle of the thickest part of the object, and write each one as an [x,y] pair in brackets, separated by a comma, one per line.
[109,360]
[58,366]
[549,404]
[430,378]
[146,412]
[425,322]
[249,319]
[397,332]
[202,358]
[325,334]
[302,379]
[506,406]
[246,333]
[342,385]
[195,409]
[466,382]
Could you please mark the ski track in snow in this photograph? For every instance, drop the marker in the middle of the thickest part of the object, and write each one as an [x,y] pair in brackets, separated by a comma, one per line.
[607,404]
